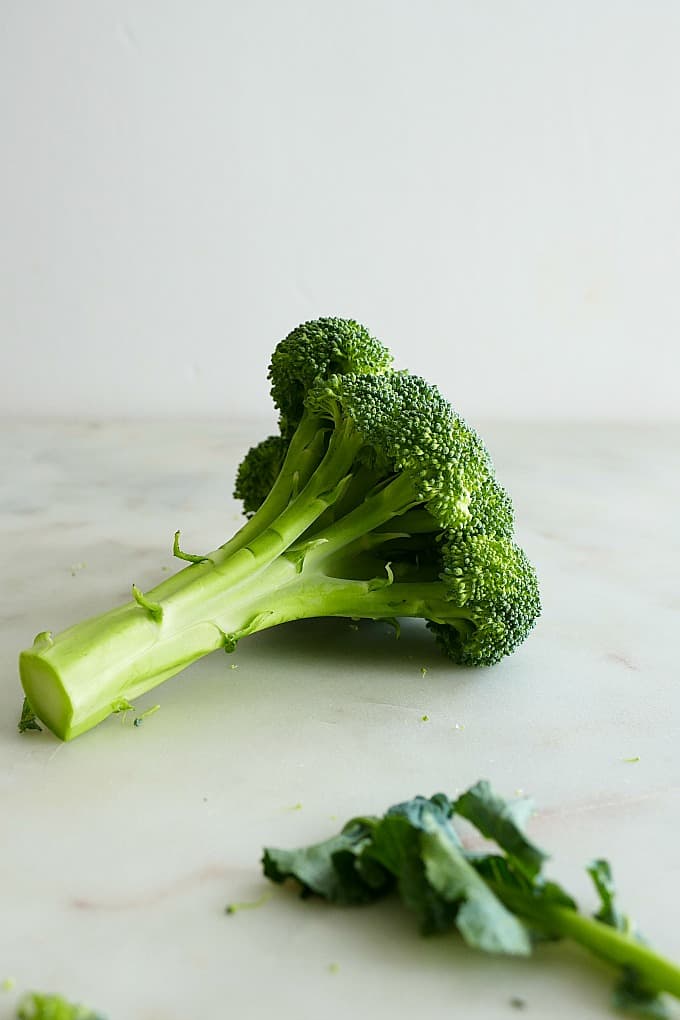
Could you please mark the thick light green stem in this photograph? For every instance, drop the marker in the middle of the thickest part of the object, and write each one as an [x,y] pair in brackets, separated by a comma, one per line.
[265,576]
[305,452]
[616,947]
[73,680]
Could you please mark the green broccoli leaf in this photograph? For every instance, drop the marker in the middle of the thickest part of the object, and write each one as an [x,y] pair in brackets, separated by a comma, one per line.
[631,996]
[499,900]
[631,993]
[418,844]
[332,869]
[601,873]
[482,919]
[504,822]
[28,720]
[397,846]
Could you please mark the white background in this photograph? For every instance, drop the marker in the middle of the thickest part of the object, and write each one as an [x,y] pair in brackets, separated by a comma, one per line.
[492,187]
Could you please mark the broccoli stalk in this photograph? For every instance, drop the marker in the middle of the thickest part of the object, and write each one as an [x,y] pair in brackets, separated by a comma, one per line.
[385,505]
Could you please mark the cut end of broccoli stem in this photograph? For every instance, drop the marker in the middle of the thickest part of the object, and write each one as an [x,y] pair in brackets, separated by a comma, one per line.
[44,688]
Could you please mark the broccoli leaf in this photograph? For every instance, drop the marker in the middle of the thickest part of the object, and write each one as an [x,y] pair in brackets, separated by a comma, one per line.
[397,846]
[28,720]
[482,919]
[504,822]
[601,873]
[499,900]
[332,869]
[418,844]
[631,994]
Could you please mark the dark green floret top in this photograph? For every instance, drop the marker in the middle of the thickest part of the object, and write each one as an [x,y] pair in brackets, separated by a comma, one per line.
[492,580]
[411,429]
[258,471]
[316,350]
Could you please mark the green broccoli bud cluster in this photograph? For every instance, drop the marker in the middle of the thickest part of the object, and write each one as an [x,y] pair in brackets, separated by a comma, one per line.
[315,350]
[492,580]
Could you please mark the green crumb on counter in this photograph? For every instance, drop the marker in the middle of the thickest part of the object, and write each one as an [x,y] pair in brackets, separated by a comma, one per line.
[234,908]
[145,715]
[121,705]
[8,984]
[233,665]
[632,761]
[423,670]
[424,718]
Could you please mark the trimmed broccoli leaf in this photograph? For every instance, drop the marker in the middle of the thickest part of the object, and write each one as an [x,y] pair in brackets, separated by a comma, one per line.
[499,900]
[504,822]
[397,846]
[28,720]
[418,844]
[632,997]
[333,869]
[482,919]
[631,993]
[601,873]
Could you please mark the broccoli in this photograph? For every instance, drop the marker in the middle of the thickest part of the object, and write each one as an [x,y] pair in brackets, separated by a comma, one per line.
[376,500]
[36,1006]
[498,897]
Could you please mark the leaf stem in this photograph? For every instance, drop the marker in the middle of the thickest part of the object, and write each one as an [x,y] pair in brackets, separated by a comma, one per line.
[608,943]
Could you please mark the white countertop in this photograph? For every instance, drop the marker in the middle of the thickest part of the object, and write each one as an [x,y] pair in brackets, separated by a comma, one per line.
[120,850]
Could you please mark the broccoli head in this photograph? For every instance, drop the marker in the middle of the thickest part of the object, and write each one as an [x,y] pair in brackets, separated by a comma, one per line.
[316,350]
[494,588]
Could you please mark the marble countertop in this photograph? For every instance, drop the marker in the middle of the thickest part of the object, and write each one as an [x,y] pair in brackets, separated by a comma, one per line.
[120,850]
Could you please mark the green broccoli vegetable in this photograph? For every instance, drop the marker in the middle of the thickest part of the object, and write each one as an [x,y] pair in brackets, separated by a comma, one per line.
[498,899]
[377,501]
[36,1006]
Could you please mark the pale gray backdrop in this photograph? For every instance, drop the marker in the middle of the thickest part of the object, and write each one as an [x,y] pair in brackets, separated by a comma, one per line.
[493,187]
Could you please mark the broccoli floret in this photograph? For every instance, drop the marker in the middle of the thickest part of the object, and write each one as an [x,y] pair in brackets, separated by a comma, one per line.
[494,587]
[36,1006]
[385,505]
[258,471]
[316,350]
